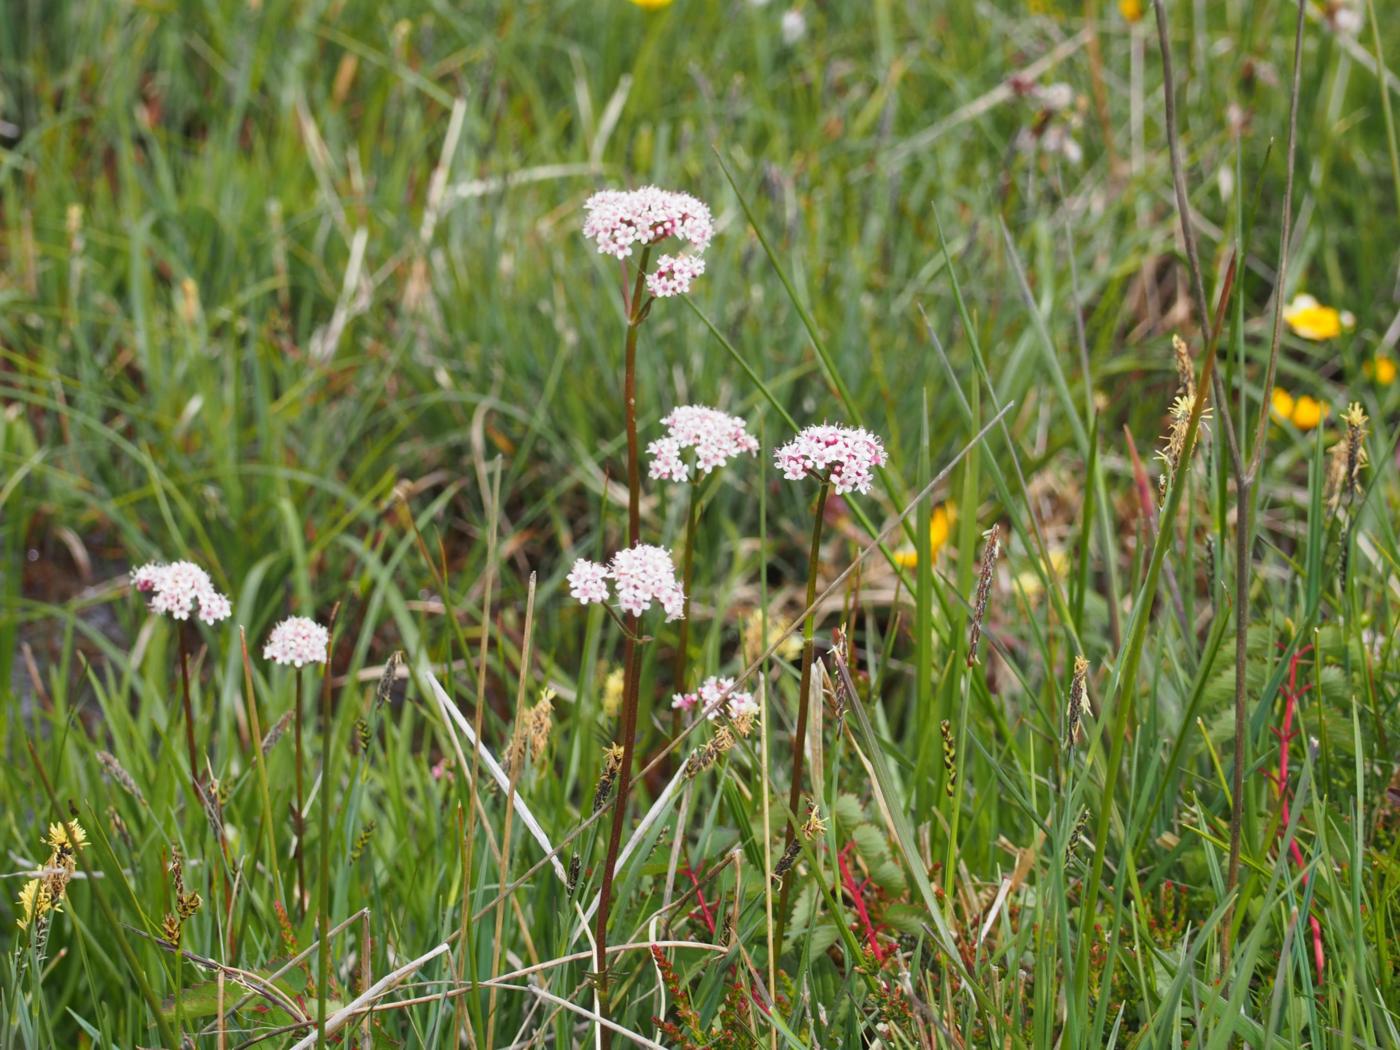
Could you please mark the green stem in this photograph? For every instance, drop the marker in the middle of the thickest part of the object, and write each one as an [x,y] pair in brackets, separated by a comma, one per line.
[687,572]
[188,709]
[799,733]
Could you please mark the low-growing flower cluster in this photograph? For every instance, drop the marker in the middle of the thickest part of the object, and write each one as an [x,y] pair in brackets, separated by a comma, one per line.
[711,698]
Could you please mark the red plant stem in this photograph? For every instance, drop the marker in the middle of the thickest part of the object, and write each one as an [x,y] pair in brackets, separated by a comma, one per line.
[857,894]
[700,896]
[301,800]
[631,656]
[1285,734]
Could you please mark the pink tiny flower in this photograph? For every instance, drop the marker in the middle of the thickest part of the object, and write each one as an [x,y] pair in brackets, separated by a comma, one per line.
[847,456]
[619,219]
[715,437]
[673,275]
[588,582]
[177,588]
[684,701]
[297,641]
[737,703]
[640,576]
[643,574]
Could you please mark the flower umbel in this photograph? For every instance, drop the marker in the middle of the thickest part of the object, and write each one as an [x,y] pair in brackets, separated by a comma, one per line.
[176,588]
[297,641]
[640,575]
[847,456]
[715,437]
[620,219]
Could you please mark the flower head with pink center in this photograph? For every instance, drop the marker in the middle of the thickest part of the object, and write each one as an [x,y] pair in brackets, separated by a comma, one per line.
[296,641]
[846,456]
[617,220]
[640,575]
[176,588]
[714,436]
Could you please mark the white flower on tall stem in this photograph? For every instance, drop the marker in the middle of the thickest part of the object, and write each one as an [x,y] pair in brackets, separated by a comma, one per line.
[620,220]
[640,575]
[845,456]
[715,437]
[297,641]
[174,589]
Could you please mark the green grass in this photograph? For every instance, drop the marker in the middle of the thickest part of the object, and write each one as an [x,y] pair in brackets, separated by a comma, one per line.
[239,325]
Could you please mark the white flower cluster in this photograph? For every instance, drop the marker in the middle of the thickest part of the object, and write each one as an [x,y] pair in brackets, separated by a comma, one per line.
[297,641]
[640,575]
[847,456]
[176,588]
[715,436]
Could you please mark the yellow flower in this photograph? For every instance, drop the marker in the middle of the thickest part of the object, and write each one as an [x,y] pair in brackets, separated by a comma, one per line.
[612,692]
[1309,319]
[70,834]
[939,526]
[1130,9]
[1381,368]
[1304,412]
[651,5]
[1308,413]
[33,902]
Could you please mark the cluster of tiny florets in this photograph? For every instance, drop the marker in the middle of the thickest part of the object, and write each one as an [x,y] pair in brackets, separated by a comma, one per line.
[847,456]
[640,575]
[176,588]
[736,704]
[297,641]
[620,219]
[716,437]
[673,275]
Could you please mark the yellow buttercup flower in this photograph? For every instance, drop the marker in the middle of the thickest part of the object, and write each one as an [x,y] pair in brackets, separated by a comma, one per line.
[652,5]
[1381,368]
[1309,319]
[939,527]
[1304,412]
[1130,9]
[1308,413]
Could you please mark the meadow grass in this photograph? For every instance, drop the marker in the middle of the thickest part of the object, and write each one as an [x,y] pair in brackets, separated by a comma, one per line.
[297,292]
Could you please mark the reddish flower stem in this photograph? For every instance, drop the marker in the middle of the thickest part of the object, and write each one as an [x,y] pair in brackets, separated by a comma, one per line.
[856,890]
[1291,695]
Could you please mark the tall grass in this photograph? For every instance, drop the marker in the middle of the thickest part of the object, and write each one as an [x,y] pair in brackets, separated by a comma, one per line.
[297,292]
